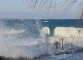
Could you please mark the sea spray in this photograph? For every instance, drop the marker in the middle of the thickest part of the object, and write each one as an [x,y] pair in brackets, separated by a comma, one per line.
[44,38]
[21,38]
[46,32]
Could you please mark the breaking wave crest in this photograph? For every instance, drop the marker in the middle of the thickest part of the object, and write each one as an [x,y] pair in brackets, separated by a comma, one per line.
[21,38]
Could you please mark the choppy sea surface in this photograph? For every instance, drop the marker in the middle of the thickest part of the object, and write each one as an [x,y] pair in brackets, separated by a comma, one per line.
[22,37]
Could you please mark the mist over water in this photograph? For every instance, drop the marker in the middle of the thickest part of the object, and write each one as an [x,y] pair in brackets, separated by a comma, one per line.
[23,38]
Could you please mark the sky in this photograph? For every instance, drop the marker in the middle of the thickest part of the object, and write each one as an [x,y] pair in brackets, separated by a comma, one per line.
[15,9]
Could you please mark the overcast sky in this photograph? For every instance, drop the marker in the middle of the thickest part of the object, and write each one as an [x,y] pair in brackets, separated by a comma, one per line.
[15,9]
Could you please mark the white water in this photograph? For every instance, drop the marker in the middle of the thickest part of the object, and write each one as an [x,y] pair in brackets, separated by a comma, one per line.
[13,46]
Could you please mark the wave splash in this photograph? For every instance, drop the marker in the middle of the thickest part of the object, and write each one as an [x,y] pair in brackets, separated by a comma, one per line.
[22,38]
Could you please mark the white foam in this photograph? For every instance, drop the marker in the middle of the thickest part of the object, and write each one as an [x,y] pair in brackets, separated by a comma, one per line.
[45,21]
[11,31]
[10,46]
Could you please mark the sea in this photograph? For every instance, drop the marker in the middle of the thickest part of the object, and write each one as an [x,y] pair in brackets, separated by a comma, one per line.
[23,38]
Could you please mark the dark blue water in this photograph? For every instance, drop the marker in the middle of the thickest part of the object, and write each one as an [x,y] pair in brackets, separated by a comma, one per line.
[32,27]
[53,23]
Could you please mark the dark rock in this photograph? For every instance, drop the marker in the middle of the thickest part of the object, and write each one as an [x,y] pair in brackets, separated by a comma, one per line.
[0,58]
